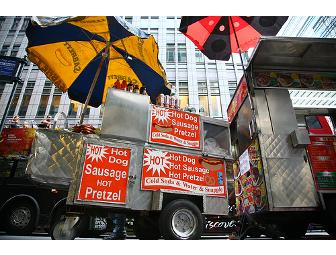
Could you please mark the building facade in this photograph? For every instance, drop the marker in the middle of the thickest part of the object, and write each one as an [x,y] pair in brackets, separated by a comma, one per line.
[206,85]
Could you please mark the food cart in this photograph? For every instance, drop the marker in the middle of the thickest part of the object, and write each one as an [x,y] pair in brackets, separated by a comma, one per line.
[285,172]
[163,166]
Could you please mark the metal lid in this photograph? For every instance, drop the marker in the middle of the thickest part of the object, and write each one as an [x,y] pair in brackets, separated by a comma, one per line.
[294,53]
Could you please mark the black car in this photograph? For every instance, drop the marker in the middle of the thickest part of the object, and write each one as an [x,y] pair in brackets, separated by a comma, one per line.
[24,204]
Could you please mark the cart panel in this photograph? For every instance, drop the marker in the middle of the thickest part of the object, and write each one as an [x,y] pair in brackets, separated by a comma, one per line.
[322,155]
[129,186]
[54,156]
[183,172]
[290,182]
[175,128]
[105,174]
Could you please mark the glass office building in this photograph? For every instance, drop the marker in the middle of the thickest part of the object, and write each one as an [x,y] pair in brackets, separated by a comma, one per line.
[206,85]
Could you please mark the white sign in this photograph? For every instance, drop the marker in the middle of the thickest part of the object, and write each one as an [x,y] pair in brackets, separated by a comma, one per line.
[244,162]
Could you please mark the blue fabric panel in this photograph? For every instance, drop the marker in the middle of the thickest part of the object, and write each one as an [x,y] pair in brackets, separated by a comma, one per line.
[64,32]
[154,82]
[80,87]
[117,31]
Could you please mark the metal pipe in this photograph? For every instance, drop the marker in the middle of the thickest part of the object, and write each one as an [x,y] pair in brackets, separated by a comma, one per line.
[93,84]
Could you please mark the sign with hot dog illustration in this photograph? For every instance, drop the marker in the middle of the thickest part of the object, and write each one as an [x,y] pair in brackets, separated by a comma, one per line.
[105,174]
[178,171]
[177,128]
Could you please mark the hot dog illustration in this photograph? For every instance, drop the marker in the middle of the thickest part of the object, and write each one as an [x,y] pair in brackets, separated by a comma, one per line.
[211,163]
[163,128]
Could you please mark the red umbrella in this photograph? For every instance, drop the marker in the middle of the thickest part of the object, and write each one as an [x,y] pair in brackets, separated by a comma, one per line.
[218,36]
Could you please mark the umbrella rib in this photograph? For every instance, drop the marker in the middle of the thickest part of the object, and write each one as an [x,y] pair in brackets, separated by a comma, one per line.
[90,39]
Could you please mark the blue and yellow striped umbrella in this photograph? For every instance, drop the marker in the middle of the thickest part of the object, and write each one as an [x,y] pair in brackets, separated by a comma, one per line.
[70,53]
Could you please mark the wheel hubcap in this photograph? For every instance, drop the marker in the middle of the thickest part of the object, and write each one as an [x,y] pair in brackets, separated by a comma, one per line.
[184,223]
[20,217]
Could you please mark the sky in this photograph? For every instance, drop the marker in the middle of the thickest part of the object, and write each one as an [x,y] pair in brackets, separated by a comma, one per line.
[167,7]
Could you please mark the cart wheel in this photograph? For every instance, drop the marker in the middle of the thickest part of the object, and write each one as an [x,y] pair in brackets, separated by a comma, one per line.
[181,220]
[147,227]
[65,229]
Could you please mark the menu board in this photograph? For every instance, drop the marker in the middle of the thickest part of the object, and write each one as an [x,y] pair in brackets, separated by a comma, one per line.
[105,174]
[322,155]
[250,188]
[237,100]
[176,128]
[183,172]
[324,81]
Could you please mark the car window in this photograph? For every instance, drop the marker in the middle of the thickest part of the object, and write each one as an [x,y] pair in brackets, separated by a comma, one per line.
[21,168]
[5,167]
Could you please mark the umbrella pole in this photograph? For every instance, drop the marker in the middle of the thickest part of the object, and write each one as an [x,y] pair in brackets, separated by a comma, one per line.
[240,53]
[93,84]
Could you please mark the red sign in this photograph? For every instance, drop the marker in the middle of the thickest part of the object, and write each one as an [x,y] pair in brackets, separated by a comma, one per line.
[237,100]
[322,154]
[105,174]
[169,126]
[16,141]
[177,171]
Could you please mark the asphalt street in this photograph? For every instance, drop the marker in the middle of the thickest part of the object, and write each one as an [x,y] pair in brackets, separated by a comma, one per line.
[312,235]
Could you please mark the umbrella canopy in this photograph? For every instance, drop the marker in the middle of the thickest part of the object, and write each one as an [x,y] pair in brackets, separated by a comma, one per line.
[71,51]
[217,36]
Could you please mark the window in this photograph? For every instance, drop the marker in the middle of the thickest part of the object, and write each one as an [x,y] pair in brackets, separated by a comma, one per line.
[232,87]
[183,88]
[182,53]
[4,49]
[2,20]
[15,50]
[24,105]
[216,107]
[6,168]
[214,87]
[13,105]
[170,35]
[129,19]
[199,56]
[202,88]
[25,24]
[154,17]
[73,109]
[54,105]
[204,105]
[15,24]
[47,87]
[43,106]
[184,101]
[170,53]
[170,17]
[212,65]
[144,17]
[313,122]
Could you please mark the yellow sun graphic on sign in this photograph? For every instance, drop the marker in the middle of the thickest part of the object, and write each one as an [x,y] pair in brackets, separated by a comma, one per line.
[161,114]
[96,152]
[156,161]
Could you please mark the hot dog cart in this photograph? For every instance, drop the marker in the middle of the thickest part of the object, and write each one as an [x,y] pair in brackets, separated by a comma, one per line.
[163,166]
[284,172]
